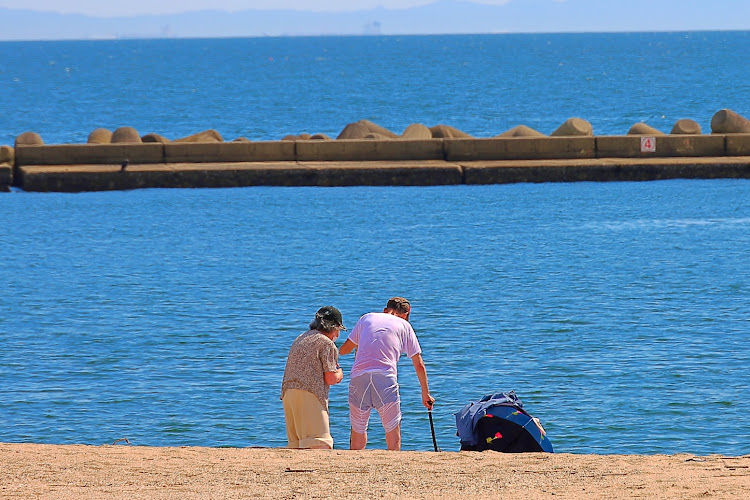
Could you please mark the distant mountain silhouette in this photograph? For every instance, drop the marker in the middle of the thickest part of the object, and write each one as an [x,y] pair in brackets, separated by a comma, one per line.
[441,17]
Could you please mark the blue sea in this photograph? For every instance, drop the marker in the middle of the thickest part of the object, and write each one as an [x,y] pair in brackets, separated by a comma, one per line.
[618,312]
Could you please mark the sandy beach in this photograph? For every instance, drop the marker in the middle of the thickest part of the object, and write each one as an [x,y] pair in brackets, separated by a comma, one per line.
[124,471]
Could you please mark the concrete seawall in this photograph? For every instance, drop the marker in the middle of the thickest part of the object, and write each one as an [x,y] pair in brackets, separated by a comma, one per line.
[349,162]
[6,177]
[6,168]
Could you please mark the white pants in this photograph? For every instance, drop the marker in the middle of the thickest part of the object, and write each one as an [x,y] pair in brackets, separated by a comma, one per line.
[374,390]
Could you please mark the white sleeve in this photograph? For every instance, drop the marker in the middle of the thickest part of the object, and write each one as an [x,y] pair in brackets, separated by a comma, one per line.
[411,344]
[356,332]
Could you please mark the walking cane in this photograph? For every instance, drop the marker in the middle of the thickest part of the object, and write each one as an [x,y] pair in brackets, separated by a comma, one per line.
[432,428]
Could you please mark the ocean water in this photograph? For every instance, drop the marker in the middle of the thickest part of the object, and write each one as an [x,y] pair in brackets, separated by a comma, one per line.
[266,88]
[617,311]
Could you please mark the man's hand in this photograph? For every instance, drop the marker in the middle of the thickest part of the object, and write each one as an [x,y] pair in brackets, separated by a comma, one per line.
[428,401]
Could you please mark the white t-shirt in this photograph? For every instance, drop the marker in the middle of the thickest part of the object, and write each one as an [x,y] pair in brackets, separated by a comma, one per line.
[381,338]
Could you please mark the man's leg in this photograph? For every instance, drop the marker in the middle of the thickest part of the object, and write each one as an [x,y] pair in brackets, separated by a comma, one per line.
[358,417]
[393,439]
[390,416]
[357,441]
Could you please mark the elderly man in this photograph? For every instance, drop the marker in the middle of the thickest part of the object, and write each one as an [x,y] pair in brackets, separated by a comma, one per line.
[380,339]
[311,368]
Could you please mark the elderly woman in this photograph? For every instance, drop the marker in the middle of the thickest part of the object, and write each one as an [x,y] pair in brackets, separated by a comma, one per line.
[311,368]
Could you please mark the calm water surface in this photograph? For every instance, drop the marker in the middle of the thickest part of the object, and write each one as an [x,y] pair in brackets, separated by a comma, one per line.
[619,312]
[266,88]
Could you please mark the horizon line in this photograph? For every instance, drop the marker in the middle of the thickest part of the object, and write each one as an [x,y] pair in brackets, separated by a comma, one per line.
[372,35]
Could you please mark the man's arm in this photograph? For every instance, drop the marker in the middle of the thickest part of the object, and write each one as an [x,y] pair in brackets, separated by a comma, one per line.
[333,378]
[421,370]
[347,347]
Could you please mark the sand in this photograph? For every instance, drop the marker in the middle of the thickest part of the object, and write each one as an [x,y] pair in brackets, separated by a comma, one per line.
[125,471]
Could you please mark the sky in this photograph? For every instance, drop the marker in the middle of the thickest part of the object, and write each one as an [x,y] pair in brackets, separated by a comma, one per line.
[138,7]
[515,16]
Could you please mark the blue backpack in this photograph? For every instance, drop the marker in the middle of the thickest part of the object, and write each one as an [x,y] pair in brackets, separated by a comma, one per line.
[498,422]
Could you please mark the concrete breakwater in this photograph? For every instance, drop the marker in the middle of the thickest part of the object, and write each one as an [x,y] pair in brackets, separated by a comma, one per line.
[366,154]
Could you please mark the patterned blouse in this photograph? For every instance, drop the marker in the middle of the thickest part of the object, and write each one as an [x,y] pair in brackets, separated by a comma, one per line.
[310,355]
